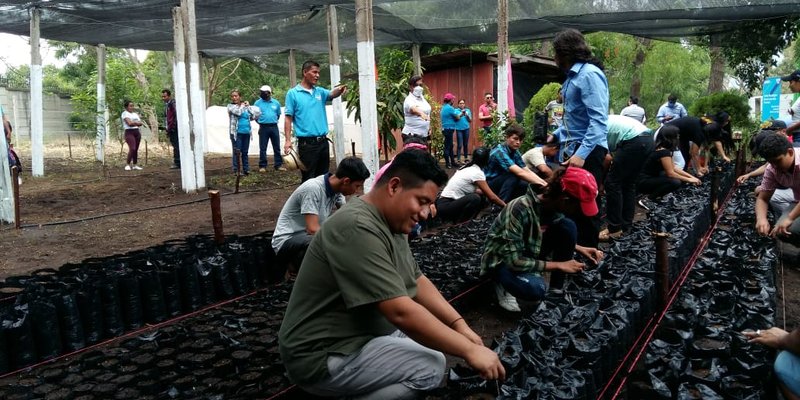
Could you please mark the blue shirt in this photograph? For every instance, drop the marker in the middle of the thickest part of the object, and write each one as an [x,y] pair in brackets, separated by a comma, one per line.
[585,111]
[307,110]
[449,115]
[270,111]
[676,111]
[244,123]
[463,123]
[501,159]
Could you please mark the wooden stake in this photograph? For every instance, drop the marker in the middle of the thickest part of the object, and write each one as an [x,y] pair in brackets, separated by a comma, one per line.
[662,266]
[216,216]
[238,169]
[15,188]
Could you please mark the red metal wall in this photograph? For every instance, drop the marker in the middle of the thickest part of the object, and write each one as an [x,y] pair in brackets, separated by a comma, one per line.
[469,82]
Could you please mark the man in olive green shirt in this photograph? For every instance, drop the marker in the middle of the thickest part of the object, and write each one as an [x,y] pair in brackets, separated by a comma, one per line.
[362,319]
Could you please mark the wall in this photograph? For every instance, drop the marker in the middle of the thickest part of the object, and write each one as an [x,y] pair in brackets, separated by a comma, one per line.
[16,106]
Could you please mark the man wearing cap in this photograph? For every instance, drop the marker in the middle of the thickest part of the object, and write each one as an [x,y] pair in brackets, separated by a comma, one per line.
[793,130]
[531,235]
[268,129]
[305,112]
[310,205]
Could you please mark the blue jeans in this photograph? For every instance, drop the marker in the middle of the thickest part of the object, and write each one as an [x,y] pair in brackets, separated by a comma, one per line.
[558,242]
[267,132]
[462,137]
[787,368]
[507,186]
[449,158]
[242,143]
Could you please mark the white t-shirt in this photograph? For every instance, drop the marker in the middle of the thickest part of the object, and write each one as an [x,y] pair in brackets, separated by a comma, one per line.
[131,116]
[463,182]
[795,111]
[414,124]
[533,158]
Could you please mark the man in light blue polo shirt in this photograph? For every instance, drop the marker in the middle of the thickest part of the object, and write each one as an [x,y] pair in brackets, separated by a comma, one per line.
[305,110]
[268,129]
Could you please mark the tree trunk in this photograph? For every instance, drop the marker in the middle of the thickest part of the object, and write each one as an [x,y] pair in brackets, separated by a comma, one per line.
[638,61]
[716,78]
[546,49]
[147,109]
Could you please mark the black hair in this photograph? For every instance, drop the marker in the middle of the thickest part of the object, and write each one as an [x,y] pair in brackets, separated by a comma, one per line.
[414,167]
[773,146]
[416,139]
[756,140]
[551,141]
[237,91]
[672,98]
[712,132]
[634,100]
[554,188]
[668,137]
[353,168]
[571,46]
[308,64]
[515,129]
[126,103]
[480,157]
[412,82]
[167,91]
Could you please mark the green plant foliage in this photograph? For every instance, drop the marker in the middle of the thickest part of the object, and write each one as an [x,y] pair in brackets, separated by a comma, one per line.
[436,143]
[538,102]
[732,103]
[496,134]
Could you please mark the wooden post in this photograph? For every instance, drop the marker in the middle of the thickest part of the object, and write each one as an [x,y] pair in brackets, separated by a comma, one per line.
[740,162]
[662,266]
[216,216]
[69,144]
[714,199]
[145,152]
[365,48]
[15,188]
[37,113]
[336,104]
[100,120]
[416,59]
[353,148]
[238,155]
[292,69]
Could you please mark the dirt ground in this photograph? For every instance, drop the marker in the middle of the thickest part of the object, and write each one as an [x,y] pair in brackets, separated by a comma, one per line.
[81,209]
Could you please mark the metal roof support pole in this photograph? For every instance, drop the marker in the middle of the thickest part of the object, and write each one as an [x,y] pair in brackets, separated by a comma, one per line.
[37,114]
[502,56]
[292,69]
[417,60]
[336,77]
[197,166]
[182,101]
[100,138]
[365,49]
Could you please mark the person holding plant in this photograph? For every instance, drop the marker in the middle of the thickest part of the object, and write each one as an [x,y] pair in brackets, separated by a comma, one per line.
[462,131]
[131,123]
[416,111]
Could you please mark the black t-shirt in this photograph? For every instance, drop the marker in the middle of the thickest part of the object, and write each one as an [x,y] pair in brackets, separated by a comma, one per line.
[652,166]
[691,130]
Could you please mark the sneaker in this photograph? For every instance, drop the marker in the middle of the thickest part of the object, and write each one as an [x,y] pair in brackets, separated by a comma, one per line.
[281,168]
[246,173]
[644,203]
[505,299]
[138,168]
[262,170]
[127,168]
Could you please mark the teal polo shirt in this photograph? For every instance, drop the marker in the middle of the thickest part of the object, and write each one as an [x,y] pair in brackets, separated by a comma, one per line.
[307,110]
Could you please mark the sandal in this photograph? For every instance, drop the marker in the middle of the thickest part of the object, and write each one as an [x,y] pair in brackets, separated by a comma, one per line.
[606,236]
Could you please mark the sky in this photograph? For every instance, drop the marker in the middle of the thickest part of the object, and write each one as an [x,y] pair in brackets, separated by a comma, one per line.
[17,51]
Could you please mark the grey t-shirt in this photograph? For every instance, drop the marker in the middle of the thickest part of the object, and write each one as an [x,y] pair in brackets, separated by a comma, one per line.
[312,197]
[634,111]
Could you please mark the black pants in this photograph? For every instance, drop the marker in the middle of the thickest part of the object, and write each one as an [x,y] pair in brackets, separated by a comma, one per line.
[176,150]
[621,181]
[507,186]
[315,155]
[657,186]
[589,227]
[292,252]
[460,210]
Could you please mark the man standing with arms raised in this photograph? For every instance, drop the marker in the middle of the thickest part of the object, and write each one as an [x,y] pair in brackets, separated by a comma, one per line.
[305,111]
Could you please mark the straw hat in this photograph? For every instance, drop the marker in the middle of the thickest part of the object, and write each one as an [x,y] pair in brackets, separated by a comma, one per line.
[292,161]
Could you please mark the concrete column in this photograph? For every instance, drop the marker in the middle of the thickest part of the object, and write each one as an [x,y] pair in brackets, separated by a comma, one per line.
[502,56]
[196,100]
[188,180]
[338,110]
[365,48]
[37,112]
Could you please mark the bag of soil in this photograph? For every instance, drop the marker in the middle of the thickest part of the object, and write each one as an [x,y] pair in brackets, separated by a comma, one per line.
[69,317]
[190,285]
[697,391]
[152,295]
[113,325]
[205,277]
[19,337]
[130,300]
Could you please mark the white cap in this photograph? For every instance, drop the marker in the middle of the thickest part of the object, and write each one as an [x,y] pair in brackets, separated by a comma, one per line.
[266,88]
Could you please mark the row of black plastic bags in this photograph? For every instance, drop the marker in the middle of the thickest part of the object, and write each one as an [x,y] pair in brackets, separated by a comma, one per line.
[59,311]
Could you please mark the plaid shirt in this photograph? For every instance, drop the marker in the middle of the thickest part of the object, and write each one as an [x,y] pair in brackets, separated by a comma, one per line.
[501,159]
[515,237]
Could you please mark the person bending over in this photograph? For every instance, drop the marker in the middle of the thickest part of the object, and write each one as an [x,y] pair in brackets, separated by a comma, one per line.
[783,167]
[362,320]
[506,172]
[659,175]
[787,363]
[532,228]
[536,158]
[467,192]
[310,205]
